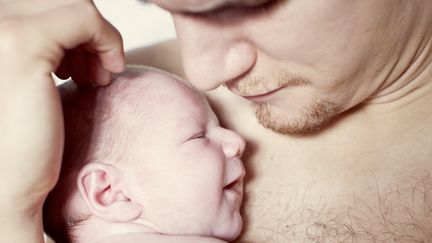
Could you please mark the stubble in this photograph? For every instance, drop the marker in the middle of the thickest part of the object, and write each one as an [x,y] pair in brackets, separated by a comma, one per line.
[313,118]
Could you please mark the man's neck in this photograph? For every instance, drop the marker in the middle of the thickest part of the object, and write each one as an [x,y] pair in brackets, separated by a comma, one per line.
[412,71]
[404,110]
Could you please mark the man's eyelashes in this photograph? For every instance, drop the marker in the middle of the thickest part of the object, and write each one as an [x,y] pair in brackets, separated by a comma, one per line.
[230,13]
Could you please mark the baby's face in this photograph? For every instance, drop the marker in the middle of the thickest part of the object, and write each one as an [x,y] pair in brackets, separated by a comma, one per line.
[186,171]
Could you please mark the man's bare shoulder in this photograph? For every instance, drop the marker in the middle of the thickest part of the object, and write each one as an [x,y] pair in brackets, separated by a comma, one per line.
[157,238]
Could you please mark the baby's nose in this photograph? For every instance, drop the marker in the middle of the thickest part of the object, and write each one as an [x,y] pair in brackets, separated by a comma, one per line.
[233,144]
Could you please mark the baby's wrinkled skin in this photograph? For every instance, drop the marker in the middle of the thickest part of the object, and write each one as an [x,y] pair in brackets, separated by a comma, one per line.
[145,160]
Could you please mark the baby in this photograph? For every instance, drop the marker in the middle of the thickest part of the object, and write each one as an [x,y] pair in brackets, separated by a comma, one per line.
[145,160]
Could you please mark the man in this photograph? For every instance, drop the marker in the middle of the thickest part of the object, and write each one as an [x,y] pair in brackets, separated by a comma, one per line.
[347,84]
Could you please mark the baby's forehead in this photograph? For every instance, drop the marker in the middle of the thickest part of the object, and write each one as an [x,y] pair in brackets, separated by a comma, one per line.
[157,99]
[154,87]
[157,110]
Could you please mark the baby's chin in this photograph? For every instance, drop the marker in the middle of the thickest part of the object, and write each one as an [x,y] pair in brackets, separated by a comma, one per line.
[229,230]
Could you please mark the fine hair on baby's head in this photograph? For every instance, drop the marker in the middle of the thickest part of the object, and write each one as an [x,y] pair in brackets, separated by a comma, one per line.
[144,154]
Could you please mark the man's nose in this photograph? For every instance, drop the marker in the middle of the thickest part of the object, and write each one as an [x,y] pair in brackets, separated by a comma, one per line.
[233,144]
[213,53]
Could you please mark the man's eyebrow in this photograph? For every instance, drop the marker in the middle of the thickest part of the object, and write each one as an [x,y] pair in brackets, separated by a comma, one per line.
[144,1]
[199,8]
[233,4]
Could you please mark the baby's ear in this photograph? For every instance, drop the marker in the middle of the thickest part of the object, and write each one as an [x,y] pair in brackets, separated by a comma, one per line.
[99,186]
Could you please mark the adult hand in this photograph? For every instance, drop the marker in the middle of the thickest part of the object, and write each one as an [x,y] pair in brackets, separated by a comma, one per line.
[38,37]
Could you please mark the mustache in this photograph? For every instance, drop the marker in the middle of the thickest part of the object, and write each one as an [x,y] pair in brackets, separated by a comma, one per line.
[261,83]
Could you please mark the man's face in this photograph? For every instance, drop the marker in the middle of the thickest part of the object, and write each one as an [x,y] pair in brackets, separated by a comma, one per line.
[301,61]
[187,174]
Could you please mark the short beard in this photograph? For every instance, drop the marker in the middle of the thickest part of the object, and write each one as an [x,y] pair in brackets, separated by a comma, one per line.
[316,116]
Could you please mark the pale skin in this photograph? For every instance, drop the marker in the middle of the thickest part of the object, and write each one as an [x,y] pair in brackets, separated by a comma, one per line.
[366,175]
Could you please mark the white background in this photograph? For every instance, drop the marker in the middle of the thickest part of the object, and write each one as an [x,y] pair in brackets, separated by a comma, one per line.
[140,24]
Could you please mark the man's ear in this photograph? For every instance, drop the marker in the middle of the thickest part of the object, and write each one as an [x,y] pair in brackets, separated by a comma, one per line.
[99,186]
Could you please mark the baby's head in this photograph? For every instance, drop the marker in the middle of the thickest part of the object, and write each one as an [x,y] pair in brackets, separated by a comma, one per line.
[145,154]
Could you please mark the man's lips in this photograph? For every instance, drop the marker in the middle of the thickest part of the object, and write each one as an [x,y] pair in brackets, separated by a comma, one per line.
[261,97]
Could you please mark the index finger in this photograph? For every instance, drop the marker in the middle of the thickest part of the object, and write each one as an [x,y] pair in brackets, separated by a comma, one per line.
[82,24]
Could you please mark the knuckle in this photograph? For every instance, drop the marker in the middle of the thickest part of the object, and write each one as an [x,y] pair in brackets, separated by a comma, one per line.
[91,16]
[89,10]
[116,36]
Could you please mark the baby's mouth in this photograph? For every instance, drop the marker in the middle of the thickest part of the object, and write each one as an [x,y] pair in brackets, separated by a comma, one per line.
[235,186]
[232,185]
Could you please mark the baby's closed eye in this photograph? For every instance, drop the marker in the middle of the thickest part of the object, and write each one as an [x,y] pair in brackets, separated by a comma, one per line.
[198,135]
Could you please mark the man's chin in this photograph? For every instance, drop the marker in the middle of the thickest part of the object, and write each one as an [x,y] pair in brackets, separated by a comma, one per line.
[309,120]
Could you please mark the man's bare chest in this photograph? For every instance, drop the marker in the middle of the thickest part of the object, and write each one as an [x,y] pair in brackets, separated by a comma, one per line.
[319,198]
